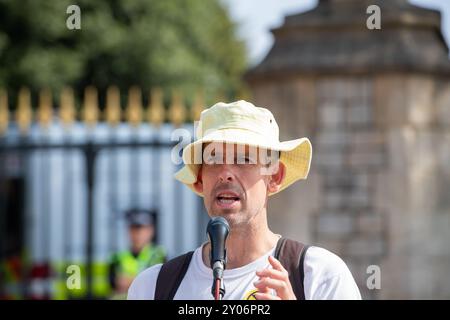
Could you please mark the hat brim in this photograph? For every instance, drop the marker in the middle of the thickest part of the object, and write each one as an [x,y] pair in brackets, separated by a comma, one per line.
[295,155]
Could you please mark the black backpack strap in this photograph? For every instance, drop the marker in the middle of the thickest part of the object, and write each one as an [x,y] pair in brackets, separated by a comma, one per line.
[171,275]
[291,254]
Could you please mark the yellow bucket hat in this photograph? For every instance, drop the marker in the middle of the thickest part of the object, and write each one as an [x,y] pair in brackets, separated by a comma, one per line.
[242,123]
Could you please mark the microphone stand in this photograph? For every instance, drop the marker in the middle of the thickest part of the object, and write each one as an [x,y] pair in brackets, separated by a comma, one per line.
[218,287]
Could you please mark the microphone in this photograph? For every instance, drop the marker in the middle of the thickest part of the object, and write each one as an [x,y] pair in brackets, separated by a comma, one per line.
[217,231]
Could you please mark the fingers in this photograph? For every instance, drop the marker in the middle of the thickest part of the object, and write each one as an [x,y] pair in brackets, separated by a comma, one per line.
[279,286]
[262,289]
[266,296]
[276,279]
[272,273]
[278,271]
[276,264]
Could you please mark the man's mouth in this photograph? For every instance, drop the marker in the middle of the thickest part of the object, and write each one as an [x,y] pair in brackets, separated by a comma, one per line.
[227,199]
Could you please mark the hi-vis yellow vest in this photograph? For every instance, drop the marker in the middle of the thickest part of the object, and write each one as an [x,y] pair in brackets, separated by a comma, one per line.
[127,264]
[130,265]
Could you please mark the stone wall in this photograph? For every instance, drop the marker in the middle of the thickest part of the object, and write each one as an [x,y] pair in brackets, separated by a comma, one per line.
[378,191]
[414,188]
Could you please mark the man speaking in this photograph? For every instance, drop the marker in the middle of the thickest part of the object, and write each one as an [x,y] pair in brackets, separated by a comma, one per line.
[242,163]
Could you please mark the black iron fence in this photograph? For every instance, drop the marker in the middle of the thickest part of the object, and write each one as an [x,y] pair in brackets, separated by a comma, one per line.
[65,185]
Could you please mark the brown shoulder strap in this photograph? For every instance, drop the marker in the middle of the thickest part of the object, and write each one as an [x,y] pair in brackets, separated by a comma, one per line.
[291,254]
[171,275]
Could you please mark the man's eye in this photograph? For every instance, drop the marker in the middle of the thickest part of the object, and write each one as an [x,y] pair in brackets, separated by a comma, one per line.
[213,160]
[245,160]
[209,160]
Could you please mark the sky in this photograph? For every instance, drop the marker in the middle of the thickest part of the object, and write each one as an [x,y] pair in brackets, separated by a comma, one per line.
[256,17]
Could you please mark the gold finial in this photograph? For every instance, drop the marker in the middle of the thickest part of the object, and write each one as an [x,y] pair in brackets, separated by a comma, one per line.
[113,112]
[67,107]
[90,111]
[220,97]
[4,111]
[24,114]
[177,110]
[134,107]
[44,113]
[198,105]
[156,112]
[244,94]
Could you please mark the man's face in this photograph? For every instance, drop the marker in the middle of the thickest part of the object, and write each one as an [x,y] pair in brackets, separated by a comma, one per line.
[237,191]
[140,236]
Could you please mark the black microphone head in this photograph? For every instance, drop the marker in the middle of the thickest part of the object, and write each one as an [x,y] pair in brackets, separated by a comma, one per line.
[215,222]
[217,231]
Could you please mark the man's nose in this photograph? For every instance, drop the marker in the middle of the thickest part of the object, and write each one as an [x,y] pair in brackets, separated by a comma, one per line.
[225,174]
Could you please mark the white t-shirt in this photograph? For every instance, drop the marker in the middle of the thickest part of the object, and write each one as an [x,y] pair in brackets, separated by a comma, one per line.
[326,277]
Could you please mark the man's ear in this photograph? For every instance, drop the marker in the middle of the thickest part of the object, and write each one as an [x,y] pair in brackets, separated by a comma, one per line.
[277,178]
[198,185]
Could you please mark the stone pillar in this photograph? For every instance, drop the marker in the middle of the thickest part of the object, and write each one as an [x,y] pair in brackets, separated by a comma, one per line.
[376,105]
[414,114]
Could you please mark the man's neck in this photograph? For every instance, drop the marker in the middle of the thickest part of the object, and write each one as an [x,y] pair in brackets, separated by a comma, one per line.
[137,249]
[244,247]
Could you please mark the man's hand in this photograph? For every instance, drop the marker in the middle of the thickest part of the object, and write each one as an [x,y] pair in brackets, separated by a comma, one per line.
[276,279]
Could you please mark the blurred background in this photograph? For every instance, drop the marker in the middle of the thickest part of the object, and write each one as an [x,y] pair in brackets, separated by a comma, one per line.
[88,121]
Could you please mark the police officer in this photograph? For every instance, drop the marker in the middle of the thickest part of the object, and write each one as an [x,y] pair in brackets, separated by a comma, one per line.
[125,265]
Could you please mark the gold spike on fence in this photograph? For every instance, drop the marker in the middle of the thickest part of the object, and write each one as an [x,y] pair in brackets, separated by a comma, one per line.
[197,106]
[45,108]
[134,107]
[24,114]
[244,94]
[156,112]
[4,112]
[134,113]
[90,108]
[113,112]
[67,107]
[177,110]
[220,97]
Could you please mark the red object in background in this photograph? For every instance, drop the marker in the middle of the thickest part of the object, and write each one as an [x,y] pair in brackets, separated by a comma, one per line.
[14,266]
[41,270]
[11,278]
[40,282]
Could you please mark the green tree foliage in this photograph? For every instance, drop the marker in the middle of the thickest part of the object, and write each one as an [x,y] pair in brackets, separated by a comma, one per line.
[182,44]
